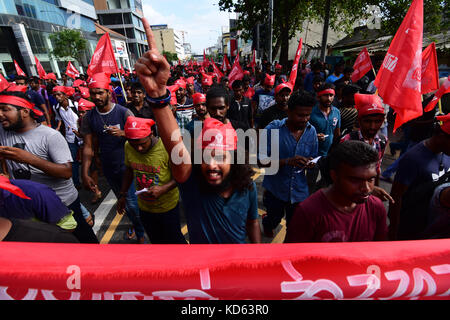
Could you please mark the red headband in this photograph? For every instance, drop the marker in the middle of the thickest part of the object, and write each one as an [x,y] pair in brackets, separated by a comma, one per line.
[326,91]
[69,91]
[19,102]
[85,105]
[216,135]
[138,128]
[100,81]
[198,98]
[368,104]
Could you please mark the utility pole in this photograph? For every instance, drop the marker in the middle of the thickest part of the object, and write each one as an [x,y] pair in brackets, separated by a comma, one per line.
[270,31]
[325,30]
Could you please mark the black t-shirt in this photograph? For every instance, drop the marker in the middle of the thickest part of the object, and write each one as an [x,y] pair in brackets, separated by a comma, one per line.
[270,114]
[240,111]
[36,231]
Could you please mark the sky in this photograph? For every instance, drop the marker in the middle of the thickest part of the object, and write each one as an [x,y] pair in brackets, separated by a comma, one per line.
[201,19]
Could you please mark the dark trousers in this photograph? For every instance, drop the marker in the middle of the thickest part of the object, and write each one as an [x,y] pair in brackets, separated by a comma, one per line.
[163,228]
[83,232]
[276,209]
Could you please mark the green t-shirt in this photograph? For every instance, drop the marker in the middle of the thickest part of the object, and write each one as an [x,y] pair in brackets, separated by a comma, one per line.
[150,169]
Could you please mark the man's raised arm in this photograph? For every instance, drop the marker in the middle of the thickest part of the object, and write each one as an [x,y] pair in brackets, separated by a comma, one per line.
[153,71]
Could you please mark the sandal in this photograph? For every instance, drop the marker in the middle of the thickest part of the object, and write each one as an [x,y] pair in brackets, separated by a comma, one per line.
[130,235]
[90,220]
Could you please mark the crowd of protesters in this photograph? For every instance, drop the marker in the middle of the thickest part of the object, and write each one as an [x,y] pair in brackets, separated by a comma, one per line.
[330,137]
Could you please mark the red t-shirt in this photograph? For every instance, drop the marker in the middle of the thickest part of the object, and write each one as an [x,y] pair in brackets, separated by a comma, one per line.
[249,93]
[317,220]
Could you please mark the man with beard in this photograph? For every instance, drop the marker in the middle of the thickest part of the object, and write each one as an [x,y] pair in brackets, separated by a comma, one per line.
[39,153]
[297,146]
[201,112]
[345,211]
[219,195]
[106,121]
[327,120]
[278,110]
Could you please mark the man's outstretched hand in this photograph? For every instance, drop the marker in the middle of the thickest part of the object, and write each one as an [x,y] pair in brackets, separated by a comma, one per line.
[152,68]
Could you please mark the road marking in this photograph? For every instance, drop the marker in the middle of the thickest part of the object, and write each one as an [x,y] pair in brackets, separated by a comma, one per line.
[112,228]
[279,238]
[103,210]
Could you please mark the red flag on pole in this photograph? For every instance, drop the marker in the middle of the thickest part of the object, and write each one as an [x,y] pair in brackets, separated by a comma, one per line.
[252,63]
[18,70]
[445,88]
[205,62]
[362,65]
[216,70]
[399,78]
[3,83]
[103,59]
[41,72]
[71,71]
[293,74]
[430,73]
[226,64]
[236,71]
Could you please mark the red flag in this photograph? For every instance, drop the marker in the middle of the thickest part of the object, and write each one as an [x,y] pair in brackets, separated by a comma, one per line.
[430,73]
[236,71]
[362,65]
[216,70]
[399,78]
[3,83]
[445,88]
[252,64]
[18,70]
[71,71]
[293,74]
[40,69]
[103,59]
[226,64]
[205,62]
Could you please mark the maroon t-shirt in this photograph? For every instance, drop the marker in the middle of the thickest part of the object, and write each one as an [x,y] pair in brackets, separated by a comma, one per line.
[317,220]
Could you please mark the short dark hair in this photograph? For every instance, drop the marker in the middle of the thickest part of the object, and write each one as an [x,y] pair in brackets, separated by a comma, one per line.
[350,89]
[34,79]
[21,78]
[217,91]
[348,69]
[318,79]
[326,86]
[237,83]
[301,99]
[137,86]
[353,153]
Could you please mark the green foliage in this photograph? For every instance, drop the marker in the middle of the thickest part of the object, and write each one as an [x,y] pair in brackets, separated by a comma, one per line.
[170,56]
[68,43]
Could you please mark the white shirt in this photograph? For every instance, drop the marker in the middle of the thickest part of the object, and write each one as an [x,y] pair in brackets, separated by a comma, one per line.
[70,119]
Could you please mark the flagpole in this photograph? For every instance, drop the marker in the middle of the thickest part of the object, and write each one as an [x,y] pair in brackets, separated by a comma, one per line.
[440,107]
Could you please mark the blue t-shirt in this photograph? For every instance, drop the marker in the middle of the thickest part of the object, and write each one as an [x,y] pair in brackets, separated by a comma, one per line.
[308,84]
[38,100]
[416,167]
[332,78]
[289,184]
[213,219]
[326,126]
[44,205]
[263,99]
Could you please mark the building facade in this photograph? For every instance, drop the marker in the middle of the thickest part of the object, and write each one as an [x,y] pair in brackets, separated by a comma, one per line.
[25,27]
[170,40]
[124,17]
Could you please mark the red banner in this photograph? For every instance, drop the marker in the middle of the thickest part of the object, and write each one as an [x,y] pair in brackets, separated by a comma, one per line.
[71,71]
[430,73]
[236,72]
[293,74]
[103,59]
[18,70]
[364,270]
[217,71]
[362,65]
[3,83]
[41,72]
[226,64]
[399,78]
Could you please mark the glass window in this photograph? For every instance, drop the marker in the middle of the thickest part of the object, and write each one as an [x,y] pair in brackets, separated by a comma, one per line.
[52,2]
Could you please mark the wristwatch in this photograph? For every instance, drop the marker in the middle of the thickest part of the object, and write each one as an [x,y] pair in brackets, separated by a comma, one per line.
[159,102]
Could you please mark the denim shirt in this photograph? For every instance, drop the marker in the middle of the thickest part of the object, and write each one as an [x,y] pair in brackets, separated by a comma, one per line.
[326,126]
[289,183]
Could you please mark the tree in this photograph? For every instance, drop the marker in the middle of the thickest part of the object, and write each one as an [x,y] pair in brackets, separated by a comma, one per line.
[170,56]
[68,43]
[289,15]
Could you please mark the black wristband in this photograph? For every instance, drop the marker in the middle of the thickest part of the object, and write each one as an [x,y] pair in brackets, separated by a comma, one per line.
[159,102]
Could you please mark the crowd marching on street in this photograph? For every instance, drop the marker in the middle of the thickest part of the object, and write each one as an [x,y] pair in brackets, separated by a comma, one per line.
[178,141]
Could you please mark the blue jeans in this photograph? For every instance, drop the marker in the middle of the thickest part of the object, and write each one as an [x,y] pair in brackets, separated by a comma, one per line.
[163,228]
[131,205]
[75,164]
